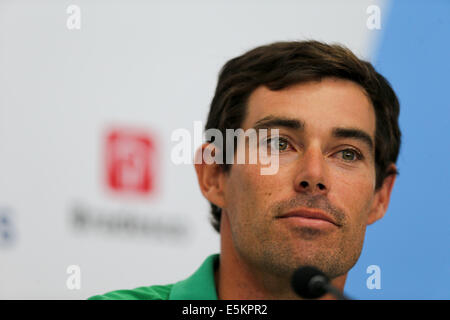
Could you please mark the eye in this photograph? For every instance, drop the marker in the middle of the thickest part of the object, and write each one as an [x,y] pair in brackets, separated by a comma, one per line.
[279,143]
[350,155]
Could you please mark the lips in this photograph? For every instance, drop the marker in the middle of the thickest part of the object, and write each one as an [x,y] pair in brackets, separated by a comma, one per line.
[309,214]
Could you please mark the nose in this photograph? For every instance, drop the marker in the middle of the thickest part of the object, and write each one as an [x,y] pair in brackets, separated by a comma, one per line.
[312,174]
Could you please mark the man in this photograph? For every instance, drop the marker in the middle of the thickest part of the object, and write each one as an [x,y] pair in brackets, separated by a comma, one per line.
[337,144]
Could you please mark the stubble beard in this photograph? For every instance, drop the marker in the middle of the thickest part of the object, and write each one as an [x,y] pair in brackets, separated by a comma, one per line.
[279,252]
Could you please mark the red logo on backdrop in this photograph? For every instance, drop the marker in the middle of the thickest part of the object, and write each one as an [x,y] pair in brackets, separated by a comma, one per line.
[130,161]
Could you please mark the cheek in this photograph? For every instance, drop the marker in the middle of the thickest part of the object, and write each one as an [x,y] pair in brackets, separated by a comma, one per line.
[247,190]
[354,194]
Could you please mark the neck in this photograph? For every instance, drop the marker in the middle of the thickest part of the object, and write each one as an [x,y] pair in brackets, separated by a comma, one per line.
[237,280]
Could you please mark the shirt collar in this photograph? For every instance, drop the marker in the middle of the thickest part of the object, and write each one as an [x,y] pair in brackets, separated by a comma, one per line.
[200,285]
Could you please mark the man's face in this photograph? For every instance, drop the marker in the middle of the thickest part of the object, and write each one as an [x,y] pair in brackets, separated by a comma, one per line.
[326,164]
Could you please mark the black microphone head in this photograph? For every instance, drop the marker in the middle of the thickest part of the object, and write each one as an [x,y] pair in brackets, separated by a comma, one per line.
[308,282]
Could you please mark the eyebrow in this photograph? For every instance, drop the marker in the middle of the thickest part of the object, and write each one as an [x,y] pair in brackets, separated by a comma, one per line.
[297,124]
[273,121]
[354,133]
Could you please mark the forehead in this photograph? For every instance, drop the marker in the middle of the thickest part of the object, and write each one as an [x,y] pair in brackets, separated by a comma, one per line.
[324,104]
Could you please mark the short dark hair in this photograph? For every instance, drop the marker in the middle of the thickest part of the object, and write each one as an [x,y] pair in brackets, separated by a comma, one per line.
[282,64]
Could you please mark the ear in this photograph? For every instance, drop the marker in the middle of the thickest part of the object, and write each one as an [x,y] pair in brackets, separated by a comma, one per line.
[382,197]
[210,176]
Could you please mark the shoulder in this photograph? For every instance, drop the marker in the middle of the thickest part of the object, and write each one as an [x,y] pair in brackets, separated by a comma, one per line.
[157,292]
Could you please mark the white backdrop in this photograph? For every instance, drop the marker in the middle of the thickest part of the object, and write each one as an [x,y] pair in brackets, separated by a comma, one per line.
[146,66]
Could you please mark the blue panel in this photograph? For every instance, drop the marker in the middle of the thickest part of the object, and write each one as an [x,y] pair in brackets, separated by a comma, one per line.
[411,244]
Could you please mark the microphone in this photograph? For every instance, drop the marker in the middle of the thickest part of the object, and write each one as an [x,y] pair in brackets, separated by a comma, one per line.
[311,283]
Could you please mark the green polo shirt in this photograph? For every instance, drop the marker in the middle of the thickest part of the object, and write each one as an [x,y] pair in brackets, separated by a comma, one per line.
[199,286]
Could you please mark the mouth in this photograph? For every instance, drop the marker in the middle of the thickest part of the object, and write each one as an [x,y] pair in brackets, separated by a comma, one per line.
[309,217]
